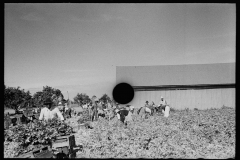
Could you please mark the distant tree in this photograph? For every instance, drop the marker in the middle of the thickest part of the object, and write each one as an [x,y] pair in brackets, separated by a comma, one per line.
[48,92]
[105,98]
[15,98]
[81,98]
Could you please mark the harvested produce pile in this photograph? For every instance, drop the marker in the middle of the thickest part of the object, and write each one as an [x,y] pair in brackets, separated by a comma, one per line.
[24,138]
[184,134]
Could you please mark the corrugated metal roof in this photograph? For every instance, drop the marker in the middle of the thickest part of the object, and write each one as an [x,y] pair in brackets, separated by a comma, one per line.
[190,74]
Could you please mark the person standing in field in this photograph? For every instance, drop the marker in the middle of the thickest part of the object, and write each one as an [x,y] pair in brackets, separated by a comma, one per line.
[60,106]
[147,108]
[153,108]
[50,111]
[94,110]
[164,107]
[100,109]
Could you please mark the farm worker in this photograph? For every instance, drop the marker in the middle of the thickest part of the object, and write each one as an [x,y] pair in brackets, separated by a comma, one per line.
[66,106]
[60,106]
[131,108]
[164,107]
[84,105]
[141,112]
[152,106]
[75,112]
[124,115]
[118,115]
[147,108]
[99,105]
[128,118]
[94,110]
[109,106]
[49,111]
[70,112]
[66,109]
[100,113]
[162,102]
[99,109]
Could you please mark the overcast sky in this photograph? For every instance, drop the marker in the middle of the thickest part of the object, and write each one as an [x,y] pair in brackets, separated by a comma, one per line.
[76,47]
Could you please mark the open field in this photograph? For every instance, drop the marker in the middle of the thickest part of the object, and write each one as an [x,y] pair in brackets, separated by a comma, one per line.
[184,134]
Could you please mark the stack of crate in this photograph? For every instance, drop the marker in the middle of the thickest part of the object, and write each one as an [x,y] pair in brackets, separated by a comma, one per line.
[65,145]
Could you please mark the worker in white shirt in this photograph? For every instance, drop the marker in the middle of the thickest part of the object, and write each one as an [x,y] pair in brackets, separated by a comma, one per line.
[164,107]
[84,105]
[50,111]
[60,106]
[66,106]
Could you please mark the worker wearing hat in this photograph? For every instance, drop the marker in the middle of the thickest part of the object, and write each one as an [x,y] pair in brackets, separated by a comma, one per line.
[164,107]
[49,112]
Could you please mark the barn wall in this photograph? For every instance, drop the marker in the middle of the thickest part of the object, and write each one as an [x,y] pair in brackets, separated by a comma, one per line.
[180,99]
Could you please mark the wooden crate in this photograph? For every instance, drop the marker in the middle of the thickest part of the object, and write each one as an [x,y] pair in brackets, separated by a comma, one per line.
[28,112]
[16,119]
[44,152]
[64,144]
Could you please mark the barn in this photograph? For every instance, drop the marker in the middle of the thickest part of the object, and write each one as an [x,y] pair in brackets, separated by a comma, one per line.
[201,86]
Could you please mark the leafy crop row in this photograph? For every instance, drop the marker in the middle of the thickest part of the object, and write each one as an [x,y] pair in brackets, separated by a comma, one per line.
[23,138]
[184,134]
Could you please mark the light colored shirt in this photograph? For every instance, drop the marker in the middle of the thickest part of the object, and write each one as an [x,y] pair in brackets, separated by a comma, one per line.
[131,108]
[109,105]
[166,112]
[49,114]
[100,111]
[85,106]
[163,103]
[148,110]
[129,117]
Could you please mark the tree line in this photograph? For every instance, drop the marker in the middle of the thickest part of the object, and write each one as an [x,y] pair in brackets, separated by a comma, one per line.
[16,98]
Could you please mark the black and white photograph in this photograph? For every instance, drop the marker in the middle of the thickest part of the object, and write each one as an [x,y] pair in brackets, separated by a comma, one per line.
[120,80]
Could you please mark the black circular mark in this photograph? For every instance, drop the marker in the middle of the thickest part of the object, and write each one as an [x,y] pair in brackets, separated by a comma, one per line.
[123,93]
